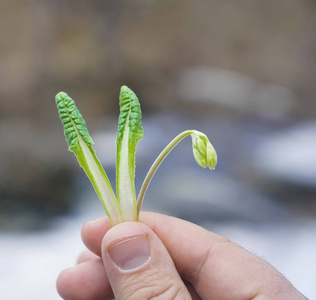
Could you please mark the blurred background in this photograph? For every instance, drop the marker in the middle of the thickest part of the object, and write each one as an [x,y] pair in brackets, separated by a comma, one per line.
[243,72]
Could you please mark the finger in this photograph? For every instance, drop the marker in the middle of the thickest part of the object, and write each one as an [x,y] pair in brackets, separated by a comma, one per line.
[86,256]
[192,291]
[85,281]
[92,233]
[214,265]
[139,266]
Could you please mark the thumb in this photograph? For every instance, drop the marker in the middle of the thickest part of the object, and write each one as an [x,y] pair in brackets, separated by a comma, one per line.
[138,265]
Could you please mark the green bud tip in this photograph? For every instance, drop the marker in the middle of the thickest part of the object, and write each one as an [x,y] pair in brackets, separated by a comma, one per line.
[203,151]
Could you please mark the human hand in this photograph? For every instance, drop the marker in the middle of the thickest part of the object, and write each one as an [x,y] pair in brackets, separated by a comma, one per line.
[162,257]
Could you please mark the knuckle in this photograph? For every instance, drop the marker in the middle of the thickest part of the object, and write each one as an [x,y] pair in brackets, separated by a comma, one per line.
[154,287]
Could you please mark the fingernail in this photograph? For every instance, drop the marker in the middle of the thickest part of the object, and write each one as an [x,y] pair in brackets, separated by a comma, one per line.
[131,253]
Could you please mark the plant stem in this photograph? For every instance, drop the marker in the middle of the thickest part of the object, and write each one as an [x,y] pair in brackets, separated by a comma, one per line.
[156,164]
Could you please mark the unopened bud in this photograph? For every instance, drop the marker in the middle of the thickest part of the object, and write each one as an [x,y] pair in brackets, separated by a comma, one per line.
[203,151]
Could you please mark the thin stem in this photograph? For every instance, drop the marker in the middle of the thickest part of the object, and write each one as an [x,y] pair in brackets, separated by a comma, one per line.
[156,164]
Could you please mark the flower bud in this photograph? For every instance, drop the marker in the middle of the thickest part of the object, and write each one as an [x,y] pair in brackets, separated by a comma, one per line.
[203,151]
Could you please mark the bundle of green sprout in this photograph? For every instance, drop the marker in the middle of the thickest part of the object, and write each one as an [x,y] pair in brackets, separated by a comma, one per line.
[123,206]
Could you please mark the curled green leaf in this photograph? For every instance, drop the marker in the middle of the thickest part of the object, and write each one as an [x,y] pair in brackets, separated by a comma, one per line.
[74,124]
[80,143]
[130,131]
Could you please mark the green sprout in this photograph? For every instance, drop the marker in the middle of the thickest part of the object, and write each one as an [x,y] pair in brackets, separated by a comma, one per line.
[124,207]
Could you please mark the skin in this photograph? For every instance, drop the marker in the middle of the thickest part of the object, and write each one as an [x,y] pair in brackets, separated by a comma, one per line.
[185,261]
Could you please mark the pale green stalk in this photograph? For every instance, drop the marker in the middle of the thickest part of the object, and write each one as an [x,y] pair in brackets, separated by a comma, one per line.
[203,151]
